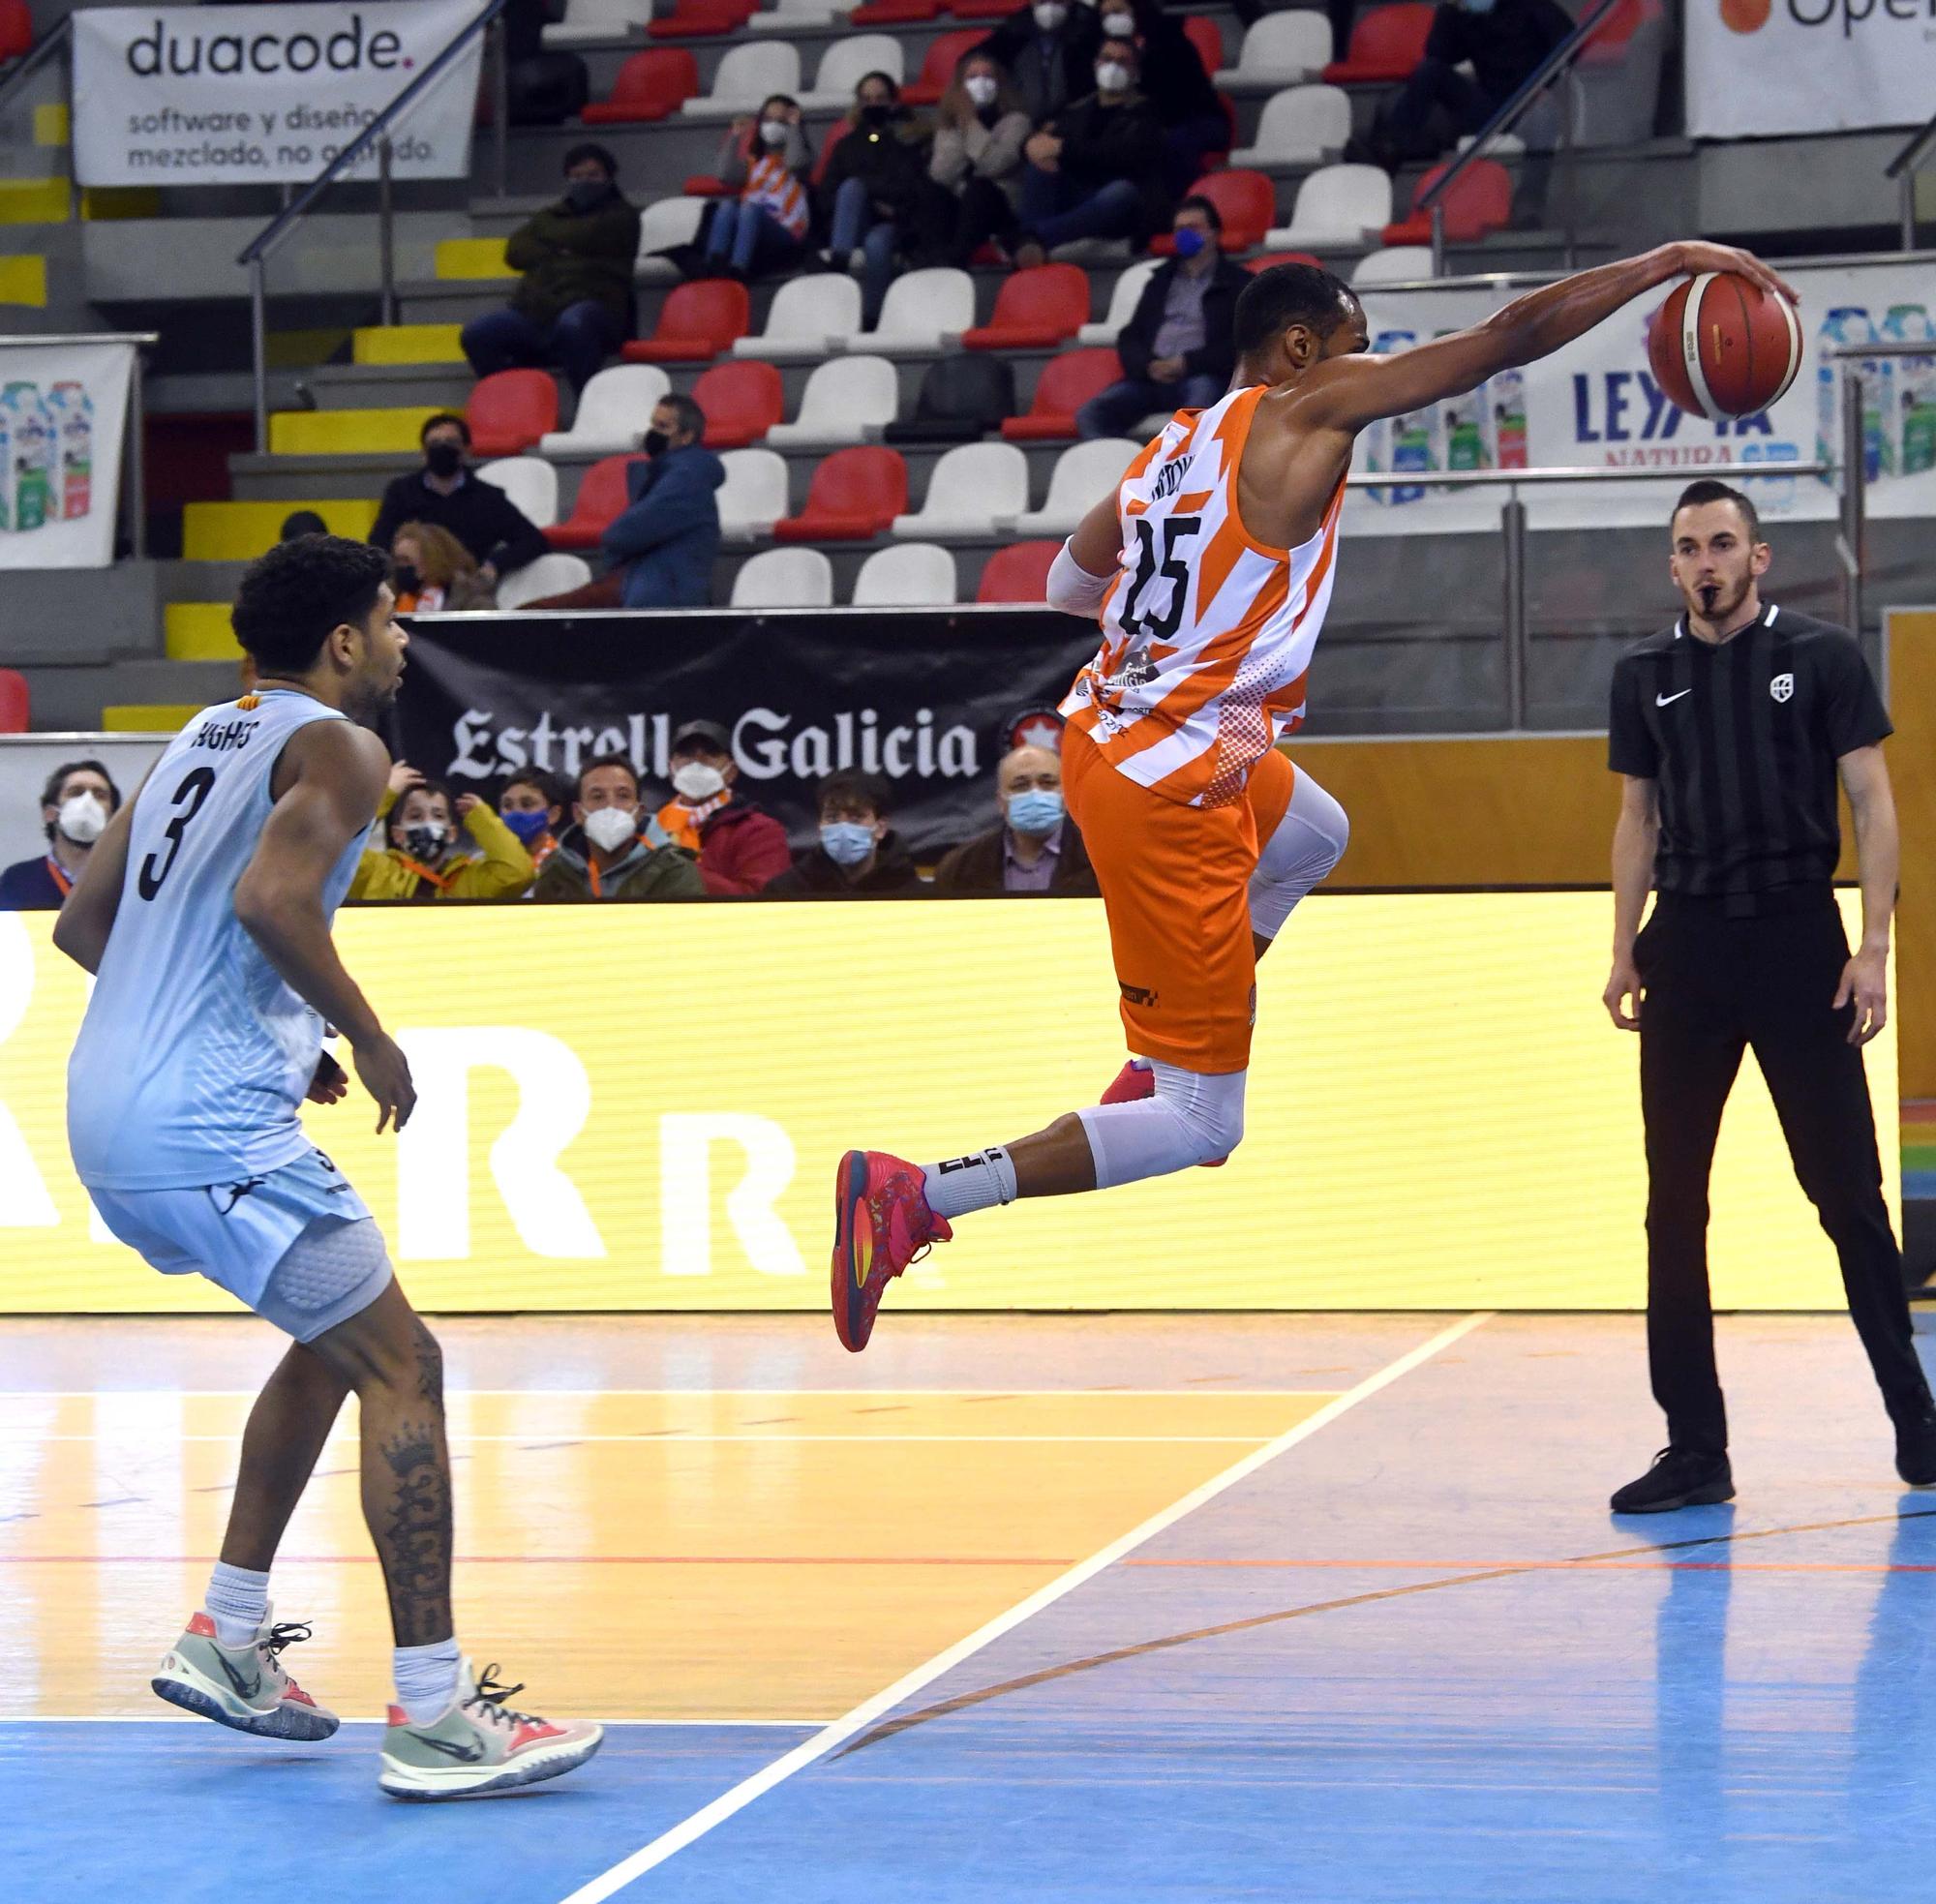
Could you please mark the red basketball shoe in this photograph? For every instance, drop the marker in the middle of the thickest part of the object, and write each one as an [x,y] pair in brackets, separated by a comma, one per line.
[881,1223]
[1135,1083]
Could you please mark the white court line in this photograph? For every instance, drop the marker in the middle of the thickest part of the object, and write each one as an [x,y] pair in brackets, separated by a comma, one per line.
[863,1716]
[189,1719]
[592,1391]
[540,1439]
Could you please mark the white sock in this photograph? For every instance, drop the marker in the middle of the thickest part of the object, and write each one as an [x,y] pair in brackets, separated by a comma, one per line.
[426,1680]
[978,1182]
[238,1602]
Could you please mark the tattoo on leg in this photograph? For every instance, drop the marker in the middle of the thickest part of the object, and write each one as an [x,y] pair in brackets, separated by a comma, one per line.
[416,1533]
[430,1367]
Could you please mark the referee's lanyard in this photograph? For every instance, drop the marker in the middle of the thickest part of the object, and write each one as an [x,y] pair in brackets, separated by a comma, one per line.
[60,877]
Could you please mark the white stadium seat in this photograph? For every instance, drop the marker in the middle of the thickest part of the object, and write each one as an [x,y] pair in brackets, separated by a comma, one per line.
[1280,50]
[808,318]
[615,410]
[747,75]
[529,481]
[1082,475]
[1122,304]
[914,575]
[589,21]
[1339,207]
[784,578]
[972,488]
[549,575]
[794,17]
[924,312]
[847,401]
[846,63]
[1301,125]
[1396,264]
[662,224]
[753,497]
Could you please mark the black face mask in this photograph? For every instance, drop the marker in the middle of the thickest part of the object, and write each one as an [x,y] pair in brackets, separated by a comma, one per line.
[443,458]
[407,579]
[876,115]
[584,194]
[655,442]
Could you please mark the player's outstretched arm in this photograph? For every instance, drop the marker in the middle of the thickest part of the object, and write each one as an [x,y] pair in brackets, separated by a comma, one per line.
[87,916]
[336,774]
[1086,565]
[1347,392]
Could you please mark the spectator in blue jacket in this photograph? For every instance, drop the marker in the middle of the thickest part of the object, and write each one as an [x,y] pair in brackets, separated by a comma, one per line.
[668,535]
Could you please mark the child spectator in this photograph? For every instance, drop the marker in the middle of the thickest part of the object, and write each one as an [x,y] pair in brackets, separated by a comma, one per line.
[856,855]
[429,857]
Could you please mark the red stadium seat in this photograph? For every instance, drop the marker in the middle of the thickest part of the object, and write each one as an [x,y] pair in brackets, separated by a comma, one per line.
[1208,37]
[894,13]
[1480,201]
[16,29]
[692,18]
[601,498]
[1615,34]
[1269,259]
[1245,201]
[511,410]
[1018,573]
[980,9]
[15,702]
[1386,44]
[742,402]
[696,322]
[855,493]
[944,55]
[1066,383]
[651,85]
[1035,310]
[836,134]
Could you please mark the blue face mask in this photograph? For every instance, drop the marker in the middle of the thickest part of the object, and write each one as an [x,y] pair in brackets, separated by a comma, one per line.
[529,826]
[1037,812]
[1189,241]
[847,842]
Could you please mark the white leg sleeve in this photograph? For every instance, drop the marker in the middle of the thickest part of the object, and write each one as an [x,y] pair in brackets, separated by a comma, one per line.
[1196,1117]
[1310,840]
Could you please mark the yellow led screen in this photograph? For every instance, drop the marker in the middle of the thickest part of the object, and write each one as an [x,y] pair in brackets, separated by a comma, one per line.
[640,1107]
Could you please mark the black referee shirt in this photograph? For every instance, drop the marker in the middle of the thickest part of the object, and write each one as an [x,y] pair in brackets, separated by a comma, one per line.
[1742,740]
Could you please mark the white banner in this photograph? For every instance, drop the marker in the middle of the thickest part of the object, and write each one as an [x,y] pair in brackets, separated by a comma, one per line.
[1595,404]
[26,760]
[240,95]
[63,414]
[1757,67]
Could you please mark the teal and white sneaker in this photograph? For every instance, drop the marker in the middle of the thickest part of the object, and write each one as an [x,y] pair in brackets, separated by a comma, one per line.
[242,1686]
[480,1746]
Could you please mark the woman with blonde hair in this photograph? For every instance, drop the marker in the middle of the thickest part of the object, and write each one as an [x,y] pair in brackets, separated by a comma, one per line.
[978,153]
[431,570]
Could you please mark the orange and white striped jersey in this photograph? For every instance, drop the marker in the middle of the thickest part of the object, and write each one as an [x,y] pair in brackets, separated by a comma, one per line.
[1206,634]
[770,186]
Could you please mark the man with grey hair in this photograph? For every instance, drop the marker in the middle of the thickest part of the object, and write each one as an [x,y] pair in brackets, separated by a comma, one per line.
[1037,847]
[668,535]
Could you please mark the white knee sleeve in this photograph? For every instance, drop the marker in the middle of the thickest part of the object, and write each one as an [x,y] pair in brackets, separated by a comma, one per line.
[1310,840]
[1196,1117]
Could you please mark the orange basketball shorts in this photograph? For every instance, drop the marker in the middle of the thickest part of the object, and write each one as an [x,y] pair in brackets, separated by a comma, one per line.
[1175,883]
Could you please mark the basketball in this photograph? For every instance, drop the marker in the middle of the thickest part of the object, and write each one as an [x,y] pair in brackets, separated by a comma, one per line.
[1722,347]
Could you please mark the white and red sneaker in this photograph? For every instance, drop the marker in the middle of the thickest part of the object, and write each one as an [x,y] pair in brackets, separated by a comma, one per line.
[480,1746]
[1135,1083]
[881,1223]
[243,1686]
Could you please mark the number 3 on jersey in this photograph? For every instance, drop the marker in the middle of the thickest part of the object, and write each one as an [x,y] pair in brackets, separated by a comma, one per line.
[188,800]
[1177,531]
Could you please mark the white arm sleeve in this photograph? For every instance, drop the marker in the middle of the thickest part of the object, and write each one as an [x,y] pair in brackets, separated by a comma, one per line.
[1072,588]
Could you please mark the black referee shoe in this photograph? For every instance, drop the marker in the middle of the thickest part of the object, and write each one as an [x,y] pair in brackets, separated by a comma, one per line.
[1916,1450]
[1682,1477]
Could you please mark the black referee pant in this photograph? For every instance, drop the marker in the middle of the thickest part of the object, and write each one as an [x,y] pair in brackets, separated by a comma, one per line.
[1720,977]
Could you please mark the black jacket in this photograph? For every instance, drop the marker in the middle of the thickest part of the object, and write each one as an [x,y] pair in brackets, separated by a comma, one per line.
[1135,342]
[813,872]
[1172,70]
[1504,45]
[479,514]
[976,867]
[891,159]
[1051,69]
[1101,143]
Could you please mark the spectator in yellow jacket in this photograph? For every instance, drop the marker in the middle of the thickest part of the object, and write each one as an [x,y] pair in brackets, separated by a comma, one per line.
[429,856]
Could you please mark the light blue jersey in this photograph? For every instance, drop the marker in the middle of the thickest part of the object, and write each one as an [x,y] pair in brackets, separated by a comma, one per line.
[195,1056]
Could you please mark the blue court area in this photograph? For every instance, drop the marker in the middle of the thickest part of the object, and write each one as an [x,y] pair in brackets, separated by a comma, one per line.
[1407,1656]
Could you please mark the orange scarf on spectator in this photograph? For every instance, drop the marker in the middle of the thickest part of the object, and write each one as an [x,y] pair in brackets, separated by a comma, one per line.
[682,822]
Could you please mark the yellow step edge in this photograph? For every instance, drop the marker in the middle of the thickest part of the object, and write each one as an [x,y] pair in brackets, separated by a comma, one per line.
[160,718]
[34,201]
[239,531]
[51,124]
[348,432]
[23,279]
[472,258]
[198,631]
[408,344]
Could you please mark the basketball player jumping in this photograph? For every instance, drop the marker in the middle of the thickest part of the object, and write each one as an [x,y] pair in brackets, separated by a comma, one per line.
[1210,567]
[204,914]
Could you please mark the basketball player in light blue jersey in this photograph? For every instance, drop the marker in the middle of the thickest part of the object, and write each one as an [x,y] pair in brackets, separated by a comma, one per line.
[204,914]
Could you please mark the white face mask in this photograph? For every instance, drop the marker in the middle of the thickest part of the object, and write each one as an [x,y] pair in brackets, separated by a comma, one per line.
[1112,77]
[609,827]
[982,88]
[82,818]
[1119,26]
[773,131]
[695,780]
[1049,15]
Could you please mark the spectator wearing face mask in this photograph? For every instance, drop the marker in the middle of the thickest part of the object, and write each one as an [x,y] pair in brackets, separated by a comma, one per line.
[1097,170]
[740,847]
[431,573]
[446,494]
[875,193]
[573,306]
[1174,81]
[1037,847]
[532,806]
[666,536]
[856,855]
[978,154]
[1048,50]
[610,851]
[767,161]
[77,804]
[1178,349]
[439,847]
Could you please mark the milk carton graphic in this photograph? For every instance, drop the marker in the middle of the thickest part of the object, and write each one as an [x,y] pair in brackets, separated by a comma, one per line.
[6,465]
[1847,325]
[1463,435]
[1505,419]
[1909,393]
[33,455]
[1401,443]
[72,413]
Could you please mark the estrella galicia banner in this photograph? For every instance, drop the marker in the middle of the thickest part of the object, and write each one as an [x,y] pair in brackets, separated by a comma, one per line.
[243,95]
[927,700]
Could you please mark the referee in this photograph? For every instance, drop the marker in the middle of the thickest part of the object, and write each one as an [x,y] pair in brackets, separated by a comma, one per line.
[1730,729]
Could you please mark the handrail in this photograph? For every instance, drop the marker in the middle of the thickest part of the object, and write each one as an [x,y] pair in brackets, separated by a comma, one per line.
[1560,59]
[1903,168]
[31,61]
